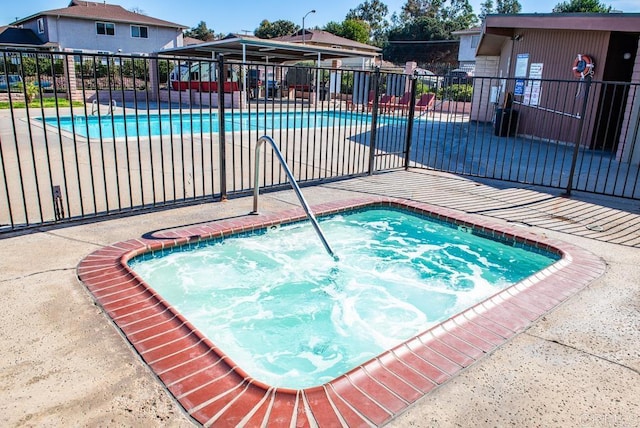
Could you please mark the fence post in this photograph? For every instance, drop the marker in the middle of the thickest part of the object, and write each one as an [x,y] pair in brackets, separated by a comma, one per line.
[412,113]
[221,135]
[374,120]
[576,148]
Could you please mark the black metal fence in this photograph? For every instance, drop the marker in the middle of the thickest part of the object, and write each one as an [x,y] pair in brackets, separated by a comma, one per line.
[88,136]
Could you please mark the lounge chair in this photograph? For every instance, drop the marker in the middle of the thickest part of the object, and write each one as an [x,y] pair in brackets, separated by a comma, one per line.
[403,102]
[385,103]
[426,101]
[368,102]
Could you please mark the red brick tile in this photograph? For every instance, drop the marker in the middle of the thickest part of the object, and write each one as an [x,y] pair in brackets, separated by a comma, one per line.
[421,366]
[239,408]
[445,350]
[283,409]
[468,337]
[211,397]
[428,354]
[200,366]
[406,373]
[303,420]
[359,401]
[184,355]
[505,318]
[259,413]
[348,415]
[394,383]
[454,342]
[486,335]
[488,324]
[321,408]
[376,391]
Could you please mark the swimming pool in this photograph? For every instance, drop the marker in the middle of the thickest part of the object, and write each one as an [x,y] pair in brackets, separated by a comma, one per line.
[145,125]
[212,388]
[293,317]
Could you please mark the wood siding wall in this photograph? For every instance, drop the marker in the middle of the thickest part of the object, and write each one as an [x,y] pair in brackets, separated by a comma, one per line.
[630,138]
[560,102]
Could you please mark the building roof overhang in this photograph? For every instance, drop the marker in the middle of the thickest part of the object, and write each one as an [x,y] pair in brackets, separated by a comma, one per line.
[496,28]
[252,49]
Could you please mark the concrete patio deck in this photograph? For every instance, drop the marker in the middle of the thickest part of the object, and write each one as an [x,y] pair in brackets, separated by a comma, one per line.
[63,363]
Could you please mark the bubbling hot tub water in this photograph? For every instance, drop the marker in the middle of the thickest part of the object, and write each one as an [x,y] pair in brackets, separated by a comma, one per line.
[291,316]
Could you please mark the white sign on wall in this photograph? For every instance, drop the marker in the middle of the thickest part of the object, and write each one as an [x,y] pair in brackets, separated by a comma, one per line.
[532,91]
[521,65]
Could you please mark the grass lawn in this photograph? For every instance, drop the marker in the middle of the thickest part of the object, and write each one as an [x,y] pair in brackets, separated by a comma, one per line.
[47,102]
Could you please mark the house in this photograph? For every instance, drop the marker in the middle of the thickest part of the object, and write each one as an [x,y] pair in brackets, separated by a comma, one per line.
[469,40]
[92,27]
[325,39]
[543,53]
[13,37]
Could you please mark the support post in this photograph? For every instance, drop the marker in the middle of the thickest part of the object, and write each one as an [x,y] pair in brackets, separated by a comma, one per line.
[410,119]
[576,149]
[221,133]
[374,120]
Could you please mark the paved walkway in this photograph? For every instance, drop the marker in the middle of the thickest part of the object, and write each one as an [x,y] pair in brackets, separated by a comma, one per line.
[63,363]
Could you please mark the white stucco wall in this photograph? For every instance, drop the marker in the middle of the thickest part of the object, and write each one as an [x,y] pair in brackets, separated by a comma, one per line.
[81,34]
[483,104]
[467,49]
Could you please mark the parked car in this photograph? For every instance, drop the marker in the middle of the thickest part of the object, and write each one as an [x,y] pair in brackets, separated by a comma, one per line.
[429,78]
[44,84]
[457,77]
[179,72]
[14,81]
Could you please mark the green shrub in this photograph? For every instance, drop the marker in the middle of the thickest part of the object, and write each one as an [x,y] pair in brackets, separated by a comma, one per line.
[423,87]
[30,91]
[457,92]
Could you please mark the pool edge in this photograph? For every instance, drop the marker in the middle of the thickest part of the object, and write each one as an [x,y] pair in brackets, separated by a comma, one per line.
[211,389]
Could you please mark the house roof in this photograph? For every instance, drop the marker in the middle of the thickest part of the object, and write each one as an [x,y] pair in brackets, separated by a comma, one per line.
[325,38]
[188,41]
[236,47]
[474,30]
[498,27]
[21,37]
[626,22]
[101,11]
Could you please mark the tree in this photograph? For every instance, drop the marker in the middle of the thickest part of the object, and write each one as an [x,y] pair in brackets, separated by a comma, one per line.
[421,29]
[333,27]
[421,8]
[354,29]
[508,6]
[459,15]
[485,8]
[201,32]
[453,14]
[415,33]
[591,6]
[279,28]
[351,29]
[373,13]
[502,6]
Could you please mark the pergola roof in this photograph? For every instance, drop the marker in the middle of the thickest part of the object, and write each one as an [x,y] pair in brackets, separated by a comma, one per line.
[237,47]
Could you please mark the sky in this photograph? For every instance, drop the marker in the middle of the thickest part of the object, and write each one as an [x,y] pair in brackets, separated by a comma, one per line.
[244,16]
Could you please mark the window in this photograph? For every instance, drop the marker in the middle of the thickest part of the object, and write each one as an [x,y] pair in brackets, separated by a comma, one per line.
[474,41]
[138,31]
[106,28]
[40,25]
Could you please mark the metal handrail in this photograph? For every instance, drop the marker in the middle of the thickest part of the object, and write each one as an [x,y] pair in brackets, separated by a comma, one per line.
[294,184]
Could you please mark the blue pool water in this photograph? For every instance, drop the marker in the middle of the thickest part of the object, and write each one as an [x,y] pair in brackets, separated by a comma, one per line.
[291,316]
[144,125]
